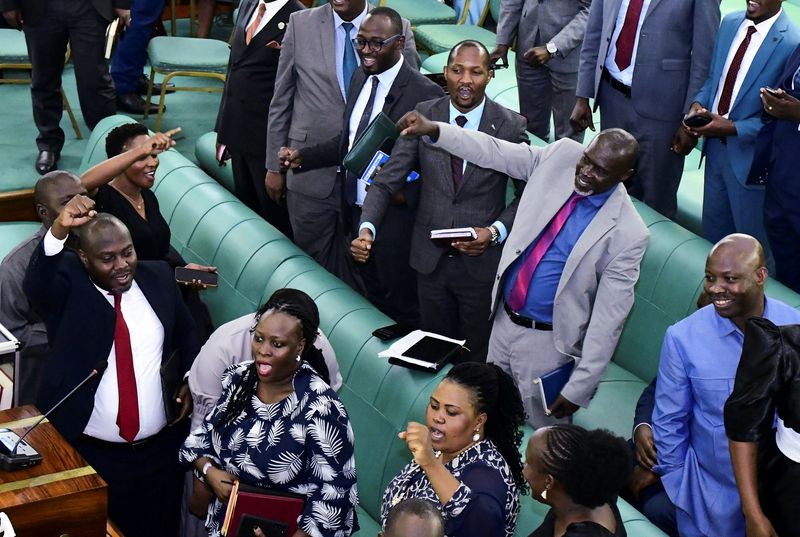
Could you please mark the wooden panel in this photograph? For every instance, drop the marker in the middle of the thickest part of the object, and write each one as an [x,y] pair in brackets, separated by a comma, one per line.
[17,206]
[60,495]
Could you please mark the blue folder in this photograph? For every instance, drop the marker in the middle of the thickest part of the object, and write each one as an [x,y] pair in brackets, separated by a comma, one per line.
[550,384]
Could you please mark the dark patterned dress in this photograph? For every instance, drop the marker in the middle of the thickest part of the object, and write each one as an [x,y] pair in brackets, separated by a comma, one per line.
[486,499]
[302,444]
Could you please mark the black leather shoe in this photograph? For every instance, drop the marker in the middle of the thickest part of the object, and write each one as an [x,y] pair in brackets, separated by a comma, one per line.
[134,104]
[46,161]
[142,88]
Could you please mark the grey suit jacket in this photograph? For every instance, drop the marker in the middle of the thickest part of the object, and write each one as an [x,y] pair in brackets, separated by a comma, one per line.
[595,293]
[675,45]
[307,105]
[479,201]
[561,21]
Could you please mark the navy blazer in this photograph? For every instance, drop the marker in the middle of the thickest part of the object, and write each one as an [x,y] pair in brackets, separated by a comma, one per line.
[80,327]
[645,405]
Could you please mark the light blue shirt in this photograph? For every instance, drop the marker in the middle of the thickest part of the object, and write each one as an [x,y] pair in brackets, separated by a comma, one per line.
[473,122]
[696,373]
[544,282]
[341,39]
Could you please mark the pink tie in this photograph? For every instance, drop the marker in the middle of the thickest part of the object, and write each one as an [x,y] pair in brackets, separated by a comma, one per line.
[519,292]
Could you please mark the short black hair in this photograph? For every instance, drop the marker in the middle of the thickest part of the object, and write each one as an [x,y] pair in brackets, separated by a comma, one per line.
[417,507]
[393,16]
[592,466]
[467,43]
[119,136]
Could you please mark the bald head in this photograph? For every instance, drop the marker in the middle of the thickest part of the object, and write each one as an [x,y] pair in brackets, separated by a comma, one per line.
[735,278]
[622,144]
[52,192]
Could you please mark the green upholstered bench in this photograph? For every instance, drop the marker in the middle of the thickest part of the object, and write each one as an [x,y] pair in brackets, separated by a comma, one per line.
[420,12]
[13,233]
[210,226]
[441,37]
[205,151]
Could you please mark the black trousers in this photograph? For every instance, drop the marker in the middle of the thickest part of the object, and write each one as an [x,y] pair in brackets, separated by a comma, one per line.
[249,173]
[144,485]
[779,480]
[456,305]
[76,22]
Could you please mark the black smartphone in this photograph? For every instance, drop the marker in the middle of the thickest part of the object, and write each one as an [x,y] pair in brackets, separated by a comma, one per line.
[187,275]
[771,91]
[699,120]
[393,331]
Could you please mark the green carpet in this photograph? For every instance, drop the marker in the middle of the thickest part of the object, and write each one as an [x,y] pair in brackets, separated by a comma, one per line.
[194,112]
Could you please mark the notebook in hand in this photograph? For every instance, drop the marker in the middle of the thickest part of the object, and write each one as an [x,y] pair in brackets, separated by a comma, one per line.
[379,135]
[277,507]
[550,384]
[443,237]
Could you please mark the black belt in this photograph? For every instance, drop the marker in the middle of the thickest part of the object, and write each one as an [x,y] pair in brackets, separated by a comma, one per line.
[616,84]
[136,445]
[521,320]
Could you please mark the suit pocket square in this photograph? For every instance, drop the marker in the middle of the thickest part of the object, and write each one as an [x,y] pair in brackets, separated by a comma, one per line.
[274,44]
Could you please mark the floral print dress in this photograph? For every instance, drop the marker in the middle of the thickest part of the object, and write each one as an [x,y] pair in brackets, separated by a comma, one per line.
[302,444]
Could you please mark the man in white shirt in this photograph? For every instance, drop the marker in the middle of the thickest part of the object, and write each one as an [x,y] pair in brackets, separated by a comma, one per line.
[101,305]
[384,83]
[751,50]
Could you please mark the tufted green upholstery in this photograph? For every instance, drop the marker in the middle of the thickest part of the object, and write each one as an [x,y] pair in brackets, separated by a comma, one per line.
[168,53]
[422,11]
[205,151]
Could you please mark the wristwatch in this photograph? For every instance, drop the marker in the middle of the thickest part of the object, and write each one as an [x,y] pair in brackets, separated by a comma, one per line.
[551,48]
[495,235]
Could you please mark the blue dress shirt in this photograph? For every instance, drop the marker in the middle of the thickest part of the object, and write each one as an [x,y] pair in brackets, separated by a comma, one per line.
[544,283]
[341,36]
[696,373]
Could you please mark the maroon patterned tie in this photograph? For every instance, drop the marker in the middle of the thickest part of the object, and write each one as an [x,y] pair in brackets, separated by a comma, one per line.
[627,36]
[724,105]
[457,163]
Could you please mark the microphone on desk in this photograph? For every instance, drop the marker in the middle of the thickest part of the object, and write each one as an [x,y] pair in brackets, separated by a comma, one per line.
[10,460]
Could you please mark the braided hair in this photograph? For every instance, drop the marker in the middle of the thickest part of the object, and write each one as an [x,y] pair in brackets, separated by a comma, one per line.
[296,304]
[495,394]
[592,466]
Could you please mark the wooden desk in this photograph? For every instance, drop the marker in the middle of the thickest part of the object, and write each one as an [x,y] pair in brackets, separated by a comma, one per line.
[62,495]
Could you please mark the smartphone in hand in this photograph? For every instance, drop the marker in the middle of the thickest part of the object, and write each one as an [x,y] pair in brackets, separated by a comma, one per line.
[188,276]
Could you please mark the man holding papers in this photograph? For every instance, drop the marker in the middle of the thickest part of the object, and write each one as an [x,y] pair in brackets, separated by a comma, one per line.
[454,282]
[384,83]
[564,286]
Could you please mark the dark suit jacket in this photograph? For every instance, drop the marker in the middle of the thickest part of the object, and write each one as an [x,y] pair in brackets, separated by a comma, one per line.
[480,200]
[242,118]
[645,405]
[33,11]
[409,89]
[80,325]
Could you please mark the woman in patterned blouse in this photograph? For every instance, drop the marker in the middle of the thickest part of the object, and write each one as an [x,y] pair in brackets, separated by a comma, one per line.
[466,459]
[279,425]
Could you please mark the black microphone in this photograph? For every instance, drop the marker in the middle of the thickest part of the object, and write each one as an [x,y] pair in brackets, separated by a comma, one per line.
[11,461]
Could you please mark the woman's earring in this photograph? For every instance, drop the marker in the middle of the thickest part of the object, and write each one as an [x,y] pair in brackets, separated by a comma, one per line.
[476,437]
[297,359]
[544,494]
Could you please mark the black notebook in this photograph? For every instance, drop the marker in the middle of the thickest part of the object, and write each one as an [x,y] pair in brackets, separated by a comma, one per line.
[428,354]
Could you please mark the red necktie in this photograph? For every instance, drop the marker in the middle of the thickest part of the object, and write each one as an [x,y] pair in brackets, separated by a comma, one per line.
[128,413]
[457,163]
[733,71]
[251,30]
[519,292]
[627,36]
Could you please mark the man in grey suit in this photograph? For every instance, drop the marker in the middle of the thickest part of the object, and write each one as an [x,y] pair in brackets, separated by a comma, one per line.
[549,34]
[570,263]
[643,61]
[454,284]
[316,63]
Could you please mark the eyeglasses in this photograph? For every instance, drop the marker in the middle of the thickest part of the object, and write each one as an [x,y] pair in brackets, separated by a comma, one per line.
[359,43]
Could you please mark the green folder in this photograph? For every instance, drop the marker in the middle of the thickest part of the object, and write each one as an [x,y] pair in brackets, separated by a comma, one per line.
[380,133]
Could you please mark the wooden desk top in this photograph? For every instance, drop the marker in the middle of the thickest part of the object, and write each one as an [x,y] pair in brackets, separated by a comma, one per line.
[62,471]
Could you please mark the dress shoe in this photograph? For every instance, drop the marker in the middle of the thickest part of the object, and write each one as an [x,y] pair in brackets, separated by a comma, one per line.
[46,161]
[142,87]
[134,104]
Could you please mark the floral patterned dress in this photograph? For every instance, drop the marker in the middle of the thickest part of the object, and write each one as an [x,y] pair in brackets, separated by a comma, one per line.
[302,444]
[486,501]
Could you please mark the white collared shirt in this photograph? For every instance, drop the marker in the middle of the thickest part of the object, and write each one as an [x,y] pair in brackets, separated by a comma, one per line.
[625,76]
[147,341]
[271,9]
[762,29]
[788,441]
[385,81]
[341,38]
